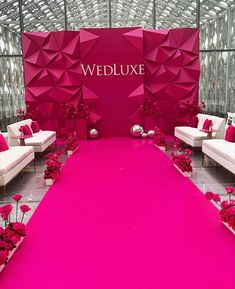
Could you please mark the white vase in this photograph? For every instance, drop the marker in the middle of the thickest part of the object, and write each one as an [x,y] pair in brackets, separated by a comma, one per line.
[185,174]
[11,253]
[162,148]
[49,182]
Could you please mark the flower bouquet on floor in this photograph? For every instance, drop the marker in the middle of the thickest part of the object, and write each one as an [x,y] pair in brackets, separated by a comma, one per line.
[71,143]
[159,139]
[52,170]
[13,232]
[177,146]
[226,207]
[183,162]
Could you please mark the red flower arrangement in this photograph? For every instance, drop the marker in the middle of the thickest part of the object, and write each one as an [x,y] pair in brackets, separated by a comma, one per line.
[71,141]
[149,108]
[72,112]
[12,232]
[183,161]
[159,139]
[177,145]
[227,208]
[53,164]
[26,114]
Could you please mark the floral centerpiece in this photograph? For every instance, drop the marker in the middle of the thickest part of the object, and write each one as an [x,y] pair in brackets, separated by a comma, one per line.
[159,139]
[52,170]
[177,146]
[22,114]
[13,231]
[183,162]
[227,207]
[71,142]
[149,112]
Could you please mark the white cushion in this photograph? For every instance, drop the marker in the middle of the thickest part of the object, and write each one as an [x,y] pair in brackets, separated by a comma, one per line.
[191,132]
[40,138]
[221,148]
[11,158]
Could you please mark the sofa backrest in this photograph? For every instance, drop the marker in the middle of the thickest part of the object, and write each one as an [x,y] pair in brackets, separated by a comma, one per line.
[217,123]
[13,130]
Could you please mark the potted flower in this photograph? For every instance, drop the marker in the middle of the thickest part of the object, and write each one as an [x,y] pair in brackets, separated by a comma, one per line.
[159,139]
[13,232]
[182,162]
[72,143]
[226,207]
[53,166]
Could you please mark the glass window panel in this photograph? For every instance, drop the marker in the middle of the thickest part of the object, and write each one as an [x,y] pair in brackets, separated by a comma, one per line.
[11,89]
[217,83]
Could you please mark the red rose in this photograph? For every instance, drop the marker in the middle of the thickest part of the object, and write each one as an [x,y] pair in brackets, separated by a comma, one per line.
[229,190]
[25,208]
[17,198]
[3,257]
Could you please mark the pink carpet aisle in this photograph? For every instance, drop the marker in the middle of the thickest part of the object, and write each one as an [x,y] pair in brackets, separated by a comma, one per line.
[121,217]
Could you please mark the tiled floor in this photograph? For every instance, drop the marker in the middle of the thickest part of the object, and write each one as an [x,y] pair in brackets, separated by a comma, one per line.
[32,185]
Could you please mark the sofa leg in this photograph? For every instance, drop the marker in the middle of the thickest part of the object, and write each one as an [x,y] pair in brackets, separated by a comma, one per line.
[203,159]
[34,165]
[3,189]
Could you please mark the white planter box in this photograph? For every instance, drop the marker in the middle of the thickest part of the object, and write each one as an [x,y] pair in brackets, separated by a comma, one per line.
[49,182]
[185,174]
[230,229]
[69,152]
[11,253]
[162,148]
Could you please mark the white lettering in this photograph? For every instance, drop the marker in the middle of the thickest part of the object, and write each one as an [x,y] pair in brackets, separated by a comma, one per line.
[106,68]
[115,69]
[91,71]
[99,70]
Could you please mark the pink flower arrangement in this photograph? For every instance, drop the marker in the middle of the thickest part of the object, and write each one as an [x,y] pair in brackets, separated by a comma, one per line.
[71,141]
[183,161]
[159,139]
[12,232]
[227,211]
[149,108]
[53,164]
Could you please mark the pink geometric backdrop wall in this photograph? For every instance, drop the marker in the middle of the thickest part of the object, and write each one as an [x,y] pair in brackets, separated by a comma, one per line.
[53,75]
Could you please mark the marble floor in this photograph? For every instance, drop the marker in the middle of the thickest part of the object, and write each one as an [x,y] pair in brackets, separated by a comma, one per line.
[32,185]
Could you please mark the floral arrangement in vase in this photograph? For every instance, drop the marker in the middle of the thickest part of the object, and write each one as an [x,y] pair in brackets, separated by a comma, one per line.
[53,167]
[159,139]
[227,207]
[183,162]
[83,111]
[22,114]
[177,146]
[149,108]
[13,231]
[70,111]
[71,142]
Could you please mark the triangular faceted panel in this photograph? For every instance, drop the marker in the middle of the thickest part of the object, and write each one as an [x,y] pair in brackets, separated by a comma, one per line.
[137,95]
[87,41]
[88,95]
[135,37]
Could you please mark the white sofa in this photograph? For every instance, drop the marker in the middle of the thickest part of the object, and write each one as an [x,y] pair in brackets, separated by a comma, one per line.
[221,151]
[13,161]
[40,141]
[194,137]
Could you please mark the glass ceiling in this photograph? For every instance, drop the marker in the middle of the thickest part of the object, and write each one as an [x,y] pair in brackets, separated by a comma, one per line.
[49,15]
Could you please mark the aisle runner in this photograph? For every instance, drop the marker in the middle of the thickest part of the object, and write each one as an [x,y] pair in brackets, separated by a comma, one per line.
[122,217]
